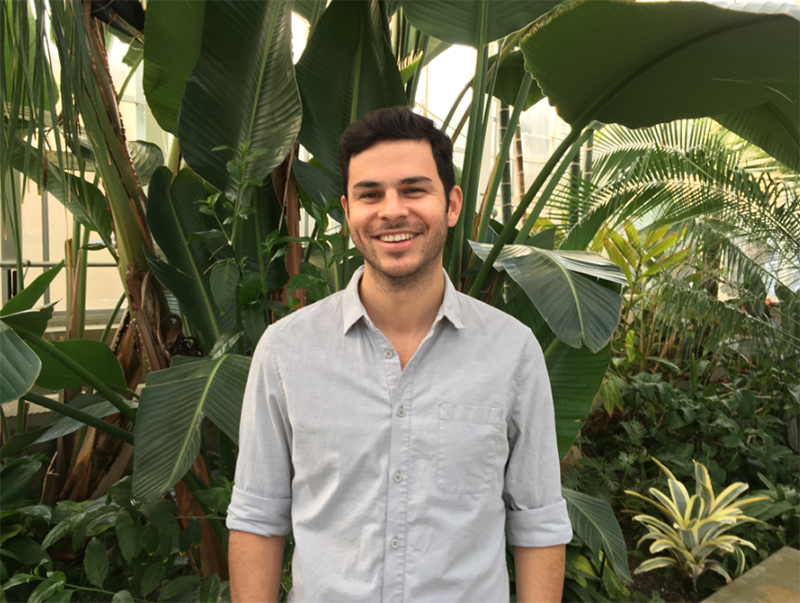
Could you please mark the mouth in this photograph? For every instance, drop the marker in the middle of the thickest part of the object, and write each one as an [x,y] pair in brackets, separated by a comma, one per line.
[397,237]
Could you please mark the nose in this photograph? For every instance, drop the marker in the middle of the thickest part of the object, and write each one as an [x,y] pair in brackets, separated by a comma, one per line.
[392,208]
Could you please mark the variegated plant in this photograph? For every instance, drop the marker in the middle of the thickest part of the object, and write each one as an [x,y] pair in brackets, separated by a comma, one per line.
[695,526]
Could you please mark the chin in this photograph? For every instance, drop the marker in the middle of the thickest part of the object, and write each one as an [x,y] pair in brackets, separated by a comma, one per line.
[403,272]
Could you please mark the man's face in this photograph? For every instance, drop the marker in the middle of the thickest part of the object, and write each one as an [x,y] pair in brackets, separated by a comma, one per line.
[396,209]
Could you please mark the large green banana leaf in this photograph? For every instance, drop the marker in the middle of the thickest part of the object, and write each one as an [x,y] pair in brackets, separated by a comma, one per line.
[173,31]
[509,79]
[20,365]
[766,126]
[310,10]
[174,216]
[346,70]
[322,185]
[147,158]
[638,64]
[578,310]
[575,374]
[594,521]
[94,356]
[267,217]
[25,299]
[457,21]
[33,321]
[58,425]
[242,90]
[171,409]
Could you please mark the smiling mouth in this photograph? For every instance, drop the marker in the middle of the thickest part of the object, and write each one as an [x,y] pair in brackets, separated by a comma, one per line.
[396,238]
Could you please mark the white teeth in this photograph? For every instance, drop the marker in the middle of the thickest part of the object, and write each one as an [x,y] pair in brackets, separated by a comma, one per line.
[397,237]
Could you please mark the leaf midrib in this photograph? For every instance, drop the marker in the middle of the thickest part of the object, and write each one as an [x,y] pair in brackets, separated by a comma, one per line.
[605,538]
[571,287]
[278,7]
[197,275]
[173,478]
[357,74]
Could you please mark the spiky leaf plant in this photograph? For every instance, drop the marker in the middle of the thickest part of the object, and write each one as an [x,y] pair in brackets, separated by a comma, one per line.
[695,526]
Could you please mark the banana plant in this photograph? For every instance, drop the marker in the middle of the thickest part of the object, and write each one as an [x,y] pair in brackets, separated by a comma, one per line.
[250,97]
[695,526]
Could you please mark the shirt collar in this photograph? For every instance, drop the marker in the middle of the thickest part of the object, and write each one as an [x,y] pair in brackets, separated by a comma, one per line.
[353,309]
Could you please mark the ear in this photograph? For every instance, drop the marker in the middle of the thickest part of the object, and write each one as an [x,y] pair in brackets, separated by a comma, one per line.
[456,199]
[344,207]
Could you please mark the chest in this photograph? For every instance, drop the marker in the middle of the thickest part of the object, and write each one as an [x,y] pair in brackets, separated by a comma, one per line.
[359,415]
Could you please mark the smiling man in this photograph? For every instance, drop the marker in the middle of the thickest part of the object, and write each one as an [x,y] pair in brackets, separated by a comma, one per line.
[398,426]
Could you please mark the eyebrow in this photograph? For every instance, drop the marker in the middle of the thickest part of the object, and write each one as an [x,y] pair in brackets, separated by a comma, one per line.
[404,181]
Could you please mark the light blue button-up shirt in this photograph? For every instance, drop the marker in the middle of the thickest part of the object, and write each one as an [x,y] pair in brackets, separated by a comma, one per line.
[398,483]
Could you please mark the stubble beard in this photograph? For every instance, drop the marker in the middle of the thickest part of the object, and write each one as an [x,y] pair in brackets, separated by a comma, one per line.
[415,276]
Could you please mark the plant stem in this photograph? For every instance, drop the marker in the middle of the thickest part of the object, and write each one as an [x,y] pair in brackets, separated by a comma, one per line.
[195,485]
[84,417]
[453,109]
[551,347]
[125,83]
[345,258]
[475,128]
[6,429]
[411,88]
[488,201]
[107,392]
[174,155]
[530,222]
[79,303]
[237,232]
[508,46]
[112,318]
[22,411]
[508,229]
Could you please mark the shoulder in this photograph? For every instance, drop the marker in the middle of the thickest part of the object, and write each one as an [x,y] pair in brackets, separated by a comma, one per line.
[478,315]
[314,322]
[487,323]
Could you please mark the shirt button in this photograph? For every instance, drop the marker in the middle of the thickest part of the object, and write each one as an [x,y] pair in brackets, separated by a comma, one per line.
[401,412]
[398,477]
[395,543]
[388,353]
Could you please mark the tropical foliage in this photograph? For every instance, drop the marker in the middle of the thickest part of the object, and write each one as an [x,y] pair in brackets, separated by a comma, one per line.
[210,251]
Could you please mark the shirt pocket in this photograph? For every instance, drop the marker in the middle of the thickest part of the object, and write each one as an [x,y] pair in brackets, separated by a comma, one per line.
[469,440]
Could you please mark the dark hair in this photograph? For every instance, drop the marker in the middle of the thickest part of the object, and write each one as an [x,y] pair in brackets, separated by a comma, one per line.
[397,123]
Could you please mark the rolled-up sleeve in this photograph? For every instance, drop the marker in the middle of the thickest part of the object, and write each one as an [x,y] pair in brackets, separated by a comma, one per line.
[262,493]
[535,510]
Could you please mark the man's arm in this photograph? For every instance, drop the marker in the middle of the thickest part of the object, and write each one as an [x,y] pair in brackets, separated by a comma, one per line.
[255,567]
[540,573]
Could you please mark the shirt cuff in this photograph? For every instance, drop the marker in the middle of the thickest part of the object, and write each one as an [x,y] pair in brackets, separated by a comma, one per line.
[263,516]
[545,526]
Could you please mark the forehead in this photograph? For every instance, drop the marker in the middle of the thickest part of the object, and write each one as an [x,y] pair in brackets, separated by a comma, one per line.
[392,160]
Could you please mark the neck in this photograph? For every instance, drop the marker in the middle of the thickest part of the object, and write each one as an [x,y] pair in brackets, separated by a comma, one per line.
[402,306]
